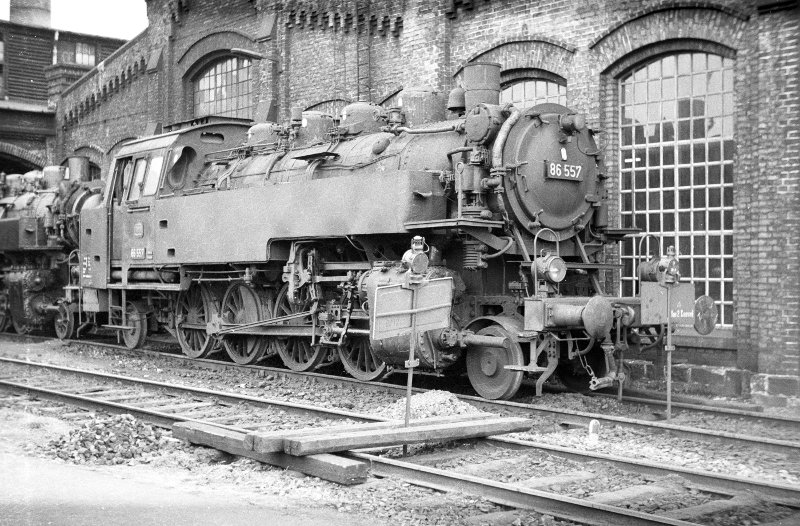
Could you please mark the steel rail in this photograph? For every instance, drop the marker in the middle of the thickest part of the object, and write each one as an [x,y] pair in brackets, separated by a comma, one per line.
[755,416]
[719,411]
[158,418]
[582,417]
[563,507]
[380,386]
[782,446]
[200,391]
[648,467]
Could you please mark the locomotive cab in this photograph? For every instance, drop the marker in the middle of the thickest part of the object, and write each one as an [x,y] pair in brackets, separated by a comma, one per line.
[121,244]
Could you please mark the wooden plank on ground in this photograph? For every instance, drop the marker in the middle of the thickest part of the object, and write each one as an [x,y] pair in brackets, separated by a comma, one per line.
[325,466]
[346,440]
[273,441]
[328,467]
[209,435]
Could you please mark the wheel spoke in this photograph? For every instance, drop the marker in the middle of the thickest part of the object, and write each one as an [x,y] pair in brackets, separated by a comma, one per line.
[360,362]
[242,304]
[193,307]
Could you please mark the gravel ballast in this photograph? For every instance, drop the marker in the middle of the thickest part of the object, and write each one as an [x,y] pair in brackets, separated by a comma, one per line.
[416,505]
[120,439]
[430,404]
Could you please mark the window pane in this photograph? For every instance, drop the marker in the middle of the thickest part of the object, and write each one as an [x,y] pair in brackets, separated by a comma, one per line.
[224,88]
[679,112]
[138,177]
[153,174]
[525,93]
[84,54]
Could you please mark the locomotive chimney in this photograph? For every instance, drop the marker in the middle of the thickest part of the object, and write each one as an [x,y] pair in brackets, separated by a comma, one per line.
[481,83]
[53,175]
[78,168]
[421,105]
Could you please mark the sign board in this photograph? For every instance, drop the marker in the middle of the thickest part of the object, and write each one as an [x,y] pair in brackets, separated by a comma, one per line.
[395,305]
[654,301]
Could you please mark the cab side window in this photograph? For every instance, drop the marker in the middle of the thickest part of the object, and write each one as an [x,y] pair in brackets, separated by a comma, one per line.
[153,175]
[178,169]
[122,176]
[135,189]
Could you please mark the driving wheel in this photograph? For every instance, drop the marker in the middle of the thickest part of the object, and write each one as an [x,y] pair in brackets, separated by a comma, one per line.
[242,304]
[192,311]
[297,352]
[359,361]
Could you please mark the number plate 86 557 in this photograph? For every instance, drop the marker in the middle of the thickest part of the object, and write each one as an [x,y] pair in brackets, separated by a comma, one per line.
[569,172]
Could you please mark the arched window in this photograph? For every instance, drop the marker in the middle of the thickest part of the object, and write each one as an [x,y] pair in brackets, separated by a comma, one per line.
[676,166]
[224,88]
[525,93]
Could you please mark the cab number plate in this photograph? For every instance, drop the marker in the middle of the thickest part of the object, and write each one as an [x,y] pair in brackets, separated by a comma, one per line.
[137,253]
[569,172]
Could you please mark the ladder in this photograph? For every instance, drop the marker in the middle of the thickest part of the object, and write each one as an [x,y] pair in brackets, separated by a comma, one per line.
[363,51]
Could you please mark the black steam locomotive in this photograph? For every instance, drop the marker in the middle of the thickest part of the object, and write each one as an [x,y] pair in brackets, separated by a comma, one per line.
[477,241]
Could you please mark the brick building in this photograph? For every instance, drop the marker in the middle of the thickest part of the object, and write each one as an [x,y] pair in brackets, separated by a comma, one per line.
[34,56]
[698,101]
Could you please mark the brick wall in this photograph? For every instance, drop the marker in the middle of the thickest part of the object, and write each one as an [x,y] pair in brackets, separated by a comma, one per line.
[770,208]
[318,51]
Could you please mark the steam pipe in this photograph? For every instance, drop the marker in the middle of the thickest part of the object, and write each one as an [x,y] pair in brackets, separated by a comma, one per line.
[502,135]
[272,162]
[502,250]
[461,149]
[419,131]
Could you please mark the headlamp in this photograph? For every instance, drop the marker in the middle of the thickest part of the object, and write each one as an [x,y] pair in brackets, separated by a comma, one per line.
[551,267]
[419,263]
[415,259]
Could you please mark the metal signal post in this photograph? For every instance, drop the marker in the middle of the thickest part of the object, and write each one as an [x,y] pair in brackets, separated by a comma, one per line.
[669,277]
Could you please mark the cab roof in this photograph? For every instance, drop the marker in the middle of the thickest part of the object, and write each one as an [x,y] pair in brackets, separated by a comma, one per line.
[221,133]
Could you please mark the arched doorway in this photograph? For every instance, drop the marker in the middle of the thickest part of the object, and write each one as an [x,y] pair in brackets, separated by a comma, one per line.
[17,160]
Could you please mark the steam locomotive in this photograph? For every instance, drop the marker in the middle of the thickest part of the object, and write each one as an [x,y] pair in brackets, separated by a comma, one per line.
[387,239]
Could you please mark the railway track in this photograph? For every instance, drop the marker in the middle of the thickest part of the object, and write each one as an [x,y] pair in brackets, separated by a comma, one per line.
[164,404]
[775,433]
